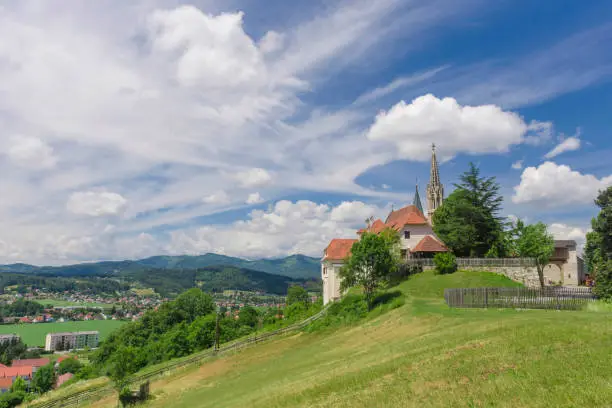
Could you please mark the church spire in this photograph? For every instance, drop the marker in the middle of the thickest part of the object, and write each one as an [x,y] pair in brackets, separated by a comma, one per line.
[435,189]
[417,198]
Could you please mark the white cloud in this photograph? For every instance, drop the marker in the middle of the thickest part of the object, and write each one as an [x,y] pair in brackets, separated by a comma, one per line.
[565,231]
[288,227]
[552,185]
[31,153]
[254,177]
[271,42]
[254,198]
[567,145]
[96,204]
[454,128]
[352,212]
[218,197]
[397,84]
[517,165]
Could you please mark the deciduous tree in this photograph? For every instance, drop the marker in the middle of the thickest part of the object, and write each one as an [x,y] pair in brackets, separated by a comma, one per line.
[296,294]
[373,258]
[534,241]
[44,378]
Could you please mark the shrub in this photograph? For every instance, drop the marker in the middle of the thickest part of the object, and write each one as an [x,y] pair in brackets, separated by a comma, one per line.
[445,263]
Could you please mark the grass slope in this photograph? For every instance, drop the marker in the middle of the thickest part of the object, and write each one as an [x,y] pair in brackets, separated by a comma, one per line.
[422,354]
[34,334]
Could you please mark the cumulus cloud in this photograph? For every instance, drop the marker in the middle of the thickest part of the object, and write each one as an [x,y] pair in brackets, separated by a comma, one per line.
[271,42]
[96,204]
[565,231]
[412,127]
[288,227]
[254,198]
[567,145]
[31,153]
[551,184]
[517,165]
[218,197]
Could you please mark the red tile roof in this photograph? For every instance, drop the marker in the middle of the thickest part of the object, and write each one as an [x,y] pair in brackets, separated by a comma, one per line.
[34,362]
[62,379]
[377,227]
[429,244]
[5,383]
[409,215]
[25,371]
[338,249]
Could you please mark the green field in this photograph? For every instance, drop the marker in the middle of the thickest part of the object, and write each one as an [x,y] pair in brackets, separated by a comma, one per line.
[422,354]
[34,334]
[58,302]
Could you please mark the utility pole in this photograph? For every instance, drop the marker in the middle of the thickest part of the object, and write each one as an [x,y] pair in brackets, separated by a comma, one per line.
[217,331]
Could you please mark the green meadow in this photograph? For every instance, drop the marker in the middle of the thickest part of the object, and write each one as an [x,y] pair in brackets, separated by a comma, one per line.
[33,334]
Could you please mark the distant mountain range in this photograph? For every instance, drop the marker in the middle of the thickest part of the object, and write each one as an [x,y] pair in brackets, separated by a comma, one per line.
[294,266]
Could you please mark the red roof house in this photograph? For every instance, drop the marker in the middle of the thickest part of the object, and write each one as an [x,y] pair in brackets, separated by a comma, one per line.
[13,372]
[338,249]
[32,362]
[429,244]
[62,379]
[409,215]
[5,384]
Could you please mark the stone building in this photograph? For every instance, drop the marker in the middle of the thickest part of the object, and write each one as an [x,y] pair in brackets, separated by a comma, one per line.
[565,265]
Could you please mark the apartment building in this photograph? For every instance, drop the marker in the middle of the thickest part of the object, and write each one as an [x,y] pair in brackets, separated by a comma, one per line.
[71,340]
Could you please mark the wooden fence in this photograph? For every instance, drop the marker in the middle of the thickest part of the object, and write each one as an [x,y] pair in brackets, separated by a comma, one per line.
[550,297]
[479,262]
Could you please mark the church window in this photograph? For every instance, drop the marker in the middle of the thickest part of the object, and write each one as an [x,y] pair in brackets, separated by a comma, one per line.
[407,234]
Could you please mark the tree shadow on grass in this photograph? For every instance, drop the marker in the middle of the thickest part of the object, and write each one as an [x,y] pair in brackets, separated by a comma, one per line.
[386,297]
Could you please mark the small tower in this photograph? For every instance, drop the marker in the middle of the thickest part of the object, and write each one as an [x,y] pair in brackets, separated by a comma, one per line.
[435,189]
[417,199]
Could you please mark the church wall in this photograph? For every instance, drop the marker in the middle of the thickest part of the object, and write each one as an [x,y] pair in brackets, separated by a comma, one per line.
[417,233]
[331,281]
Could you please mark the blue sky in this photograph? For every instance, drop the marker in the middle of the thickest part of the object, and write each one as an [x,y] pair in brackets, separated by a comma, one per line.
[131,129]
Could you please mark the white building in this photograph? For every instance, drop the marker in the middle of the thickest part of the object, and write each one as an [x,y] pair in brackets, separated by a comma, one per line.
[71,340]
[7,338]
[417,239]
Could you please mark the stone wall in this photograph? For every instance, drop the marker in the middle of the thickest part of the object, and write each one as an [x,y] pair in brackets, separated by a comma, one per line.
[527,275]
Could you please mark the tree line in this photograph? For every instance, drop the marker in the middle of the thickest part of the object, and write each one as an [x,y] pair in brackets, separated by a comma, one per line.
[184,326]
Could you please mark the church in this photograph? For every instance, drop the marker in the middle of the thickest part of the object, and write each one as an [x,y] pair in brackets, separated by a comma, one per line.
[417,239]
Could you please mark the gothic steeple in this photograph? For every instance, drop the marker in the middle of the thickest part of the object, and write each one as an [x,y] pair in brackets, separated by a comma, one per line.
[417,199]
[435,189]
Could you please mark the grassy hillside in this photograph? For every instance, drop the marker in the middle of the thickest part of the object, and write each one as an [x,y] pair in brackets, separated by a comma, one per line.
[422,354]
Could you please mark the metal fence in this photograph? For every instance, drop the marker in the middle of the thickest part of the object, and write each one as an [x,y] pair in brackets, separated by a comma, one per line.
[74,400]
[479,262]
[550,297]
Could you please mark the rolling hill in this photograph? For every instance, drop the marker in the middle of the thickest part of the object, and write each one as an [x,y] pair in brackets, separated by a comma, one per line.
[294,266]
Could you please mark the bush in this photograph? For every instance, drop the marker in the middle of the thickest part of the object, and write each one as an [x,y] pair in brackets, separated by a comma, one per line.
[445,263]
[349,309]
